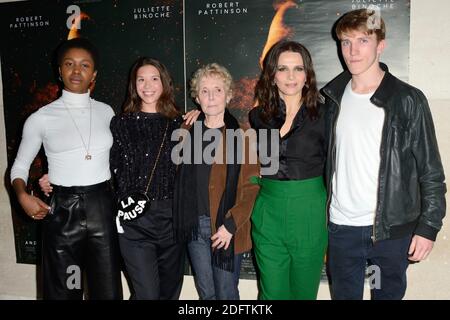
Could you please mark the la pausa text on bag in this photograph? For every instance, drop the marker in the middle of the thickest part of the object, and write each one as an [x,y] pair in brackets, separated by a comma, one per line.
[131,208]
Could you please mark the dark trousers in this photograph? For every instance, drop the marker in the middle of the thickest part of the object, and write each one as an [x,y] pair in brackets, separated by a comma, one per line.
[154,261]
[80,237]
[351,248]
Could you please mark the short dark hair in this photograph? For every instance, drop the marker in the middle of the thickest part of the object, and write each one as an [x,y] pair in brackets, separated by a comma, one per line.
[78,43]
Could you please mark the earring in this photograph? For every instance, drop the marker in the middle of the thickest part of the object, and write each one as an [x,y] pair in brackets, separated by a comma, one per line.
[60,79]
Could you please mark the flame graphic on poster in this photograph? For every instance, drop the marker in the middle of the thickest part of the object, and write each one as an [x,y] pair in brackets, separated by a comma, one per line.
[245,87]
[278,30]
[73,33]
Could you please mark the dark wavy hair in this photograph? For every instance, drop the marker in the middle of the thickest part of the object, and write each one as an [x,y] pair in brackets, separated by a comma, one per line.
[266,91]
[166,102]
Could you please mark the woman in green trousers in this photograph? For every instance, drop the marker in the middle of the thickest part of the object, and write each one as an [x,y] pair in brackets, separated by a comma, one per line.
[289,217]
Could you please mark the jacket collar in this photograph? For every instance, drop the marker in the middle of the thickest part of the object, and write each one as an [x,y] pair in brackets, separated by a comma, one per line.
[335,88]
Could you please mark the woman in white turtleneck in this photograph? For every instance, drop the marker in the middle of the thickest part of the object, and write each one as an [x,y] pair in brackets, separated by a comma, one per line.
[79,233]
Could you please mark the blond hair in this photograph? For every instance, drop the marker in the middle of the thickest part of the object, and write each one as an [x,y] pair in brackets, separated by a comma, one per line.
[211,70]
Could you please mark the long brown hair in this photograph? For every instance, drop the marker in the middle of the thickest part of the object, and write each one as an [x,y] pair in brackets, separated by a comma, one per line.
[166,102]
[266,91]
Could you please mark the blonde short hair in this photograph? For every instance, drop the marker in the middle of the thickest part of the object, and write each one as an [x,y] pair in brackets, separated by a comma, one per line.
[214,70]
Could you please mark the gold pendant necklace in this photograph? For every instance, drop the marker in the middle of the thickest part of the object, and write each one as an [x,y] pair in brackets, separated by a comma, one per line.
[87,156]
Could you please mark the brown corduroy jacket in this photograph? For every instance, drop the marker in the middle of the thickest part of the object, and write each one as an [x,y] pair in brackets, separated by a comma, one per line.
[245,195]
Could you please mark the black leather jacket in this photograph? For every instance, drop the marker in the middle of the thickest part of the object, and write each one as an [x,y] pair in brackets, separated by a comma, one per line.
[411,188]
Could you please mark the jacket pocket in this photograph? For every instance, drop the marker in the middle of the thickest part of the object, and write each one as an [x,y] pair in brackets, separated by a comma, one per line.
[399,135]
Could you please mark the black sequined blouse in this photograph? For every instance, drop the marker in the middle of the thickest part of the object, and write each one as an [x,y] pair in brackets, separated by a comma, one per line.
[137,139]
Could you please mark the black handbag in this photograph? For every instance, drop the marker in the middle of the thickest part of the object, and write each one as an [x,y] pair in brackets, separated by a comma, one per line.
[135,204]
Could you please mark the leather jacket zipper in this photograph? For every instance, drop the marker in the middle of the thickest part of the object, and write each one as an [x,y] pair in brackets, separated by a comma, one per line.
[382,163]
[333,152]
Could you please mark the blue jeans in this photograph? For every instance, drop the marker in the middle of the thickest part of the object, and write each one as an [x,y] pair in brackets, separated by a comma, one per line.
[211,282]
[351,248]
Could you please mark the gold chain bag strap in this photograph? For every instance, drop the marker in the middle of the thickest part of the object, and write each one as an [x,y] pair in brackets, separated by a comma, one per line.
[135,204]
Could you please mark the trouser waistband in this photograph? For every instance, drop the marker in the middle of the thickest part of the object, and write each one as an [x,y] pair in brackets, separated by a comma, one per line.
[81,189]
[291,188]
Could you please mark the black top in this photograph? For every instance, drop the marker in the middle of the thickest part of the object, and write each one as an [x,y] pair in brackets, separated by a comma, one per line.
[302,150]
[137,139]
[202,171]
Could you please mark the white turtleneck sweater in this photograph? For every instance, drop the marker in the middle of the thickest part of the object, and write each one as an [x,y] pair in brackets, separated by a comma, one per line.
[53,127]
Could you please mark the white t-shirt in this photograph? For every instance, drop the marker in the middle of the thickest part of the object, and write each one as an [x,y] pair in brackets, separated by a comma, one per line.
[355,180]
[53,127]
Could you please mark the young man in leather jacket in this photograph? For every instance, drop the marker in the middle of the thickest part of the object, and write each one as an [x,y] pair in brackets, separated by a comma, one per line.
[384,174]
